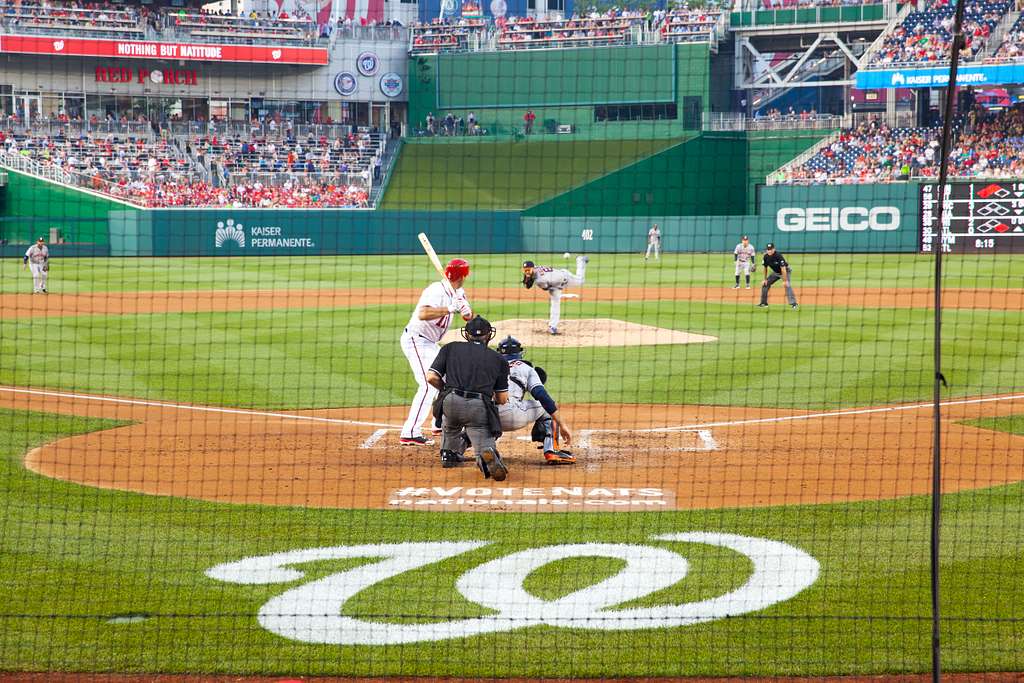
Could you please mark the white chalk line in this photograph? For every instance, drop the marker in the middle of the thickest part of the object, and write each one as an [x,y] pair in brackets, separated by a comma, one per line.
[199,409]
[811,416]
[584,440]
[374,438]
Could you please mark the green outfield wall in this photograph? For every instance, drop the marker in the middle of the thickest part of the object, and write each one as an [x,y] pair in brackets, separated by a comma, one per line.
[32,206]
[564,87]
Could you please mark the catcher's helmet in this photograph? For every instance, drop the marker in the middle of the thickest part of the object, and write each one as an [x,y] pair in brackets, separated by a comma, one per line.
[510,348]
[456,269]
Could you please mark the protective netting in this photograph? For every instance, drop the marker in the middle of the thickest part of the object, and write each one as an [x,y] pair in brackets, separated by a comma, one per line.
[709,230]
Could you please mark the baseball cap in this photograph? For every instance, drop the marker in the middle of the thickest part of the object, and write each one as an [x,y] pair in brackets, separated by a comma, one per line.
[745,237]
[478,327]
[769,246]
[528,264]
[40,240]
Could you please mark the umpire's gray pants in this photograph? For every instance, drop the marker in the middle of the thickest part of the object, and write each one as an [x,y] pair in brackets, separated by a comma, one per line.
[772,279]
[470,414]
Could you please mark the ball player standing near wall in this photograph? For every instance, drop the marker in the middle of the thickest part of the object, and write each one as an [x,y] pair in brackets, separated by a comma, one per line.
[553,281]
[653,242]
[743,255]
[419,341]
[37,259]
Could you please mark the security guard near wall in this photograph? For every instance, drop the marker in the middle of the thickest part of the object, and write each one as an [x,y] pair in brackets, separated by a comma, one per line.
[471,379]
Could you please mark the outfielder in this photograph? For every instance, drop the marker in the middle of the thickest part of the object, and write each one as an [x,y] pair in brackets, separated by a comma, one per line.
[653,242]
[743,255]
[553,281]
[37,259]
[431,319]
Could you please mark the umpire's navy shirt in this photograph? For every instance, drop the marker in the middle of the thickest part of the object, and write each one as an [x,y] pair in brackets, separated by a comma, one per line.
[471,366]
[775,261]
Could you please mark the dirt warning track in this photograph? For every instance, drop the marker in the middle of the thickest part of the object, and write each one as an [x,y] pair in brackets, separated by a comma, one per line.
[631,457]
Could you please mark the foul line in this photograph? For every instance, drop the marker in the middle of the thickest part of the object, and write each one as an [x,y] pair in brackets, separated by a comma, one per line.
[200,409]
[812,416]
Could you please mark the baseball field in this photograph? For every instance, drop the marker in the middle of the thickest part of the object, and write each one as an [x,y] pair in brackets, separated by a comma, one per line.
[201,474]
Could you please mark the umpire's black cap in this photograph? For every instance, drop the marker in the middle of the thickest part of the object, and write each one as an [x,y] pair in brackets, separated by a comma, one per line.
[769,246]
[478,327]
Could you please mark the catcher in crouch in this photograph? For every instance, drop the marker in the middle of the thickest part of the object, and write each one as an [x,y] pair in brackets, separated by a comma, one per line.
[519,411]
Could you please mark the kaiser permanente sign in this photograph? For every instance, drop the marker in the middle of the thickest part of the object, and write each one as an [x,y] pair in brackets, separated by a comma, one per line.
[143,49]
[990,74]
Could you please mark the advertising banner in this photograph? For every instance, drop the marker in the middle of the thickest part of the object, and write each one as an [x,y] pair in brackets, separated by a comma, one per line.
[938,77]
[141,49]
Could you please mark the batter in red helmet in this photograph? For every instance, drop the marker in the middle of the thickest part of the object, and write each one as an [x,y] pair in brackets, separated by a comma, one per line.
[431,319]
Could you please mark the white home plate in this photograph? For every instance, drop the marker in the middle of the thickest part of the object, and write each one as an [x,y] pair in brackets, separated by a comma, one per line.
[588,332]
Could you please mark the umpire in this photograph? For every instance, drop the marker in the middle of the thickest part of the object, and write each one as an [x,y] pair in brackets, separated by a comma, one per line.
[471,379]
[776,268]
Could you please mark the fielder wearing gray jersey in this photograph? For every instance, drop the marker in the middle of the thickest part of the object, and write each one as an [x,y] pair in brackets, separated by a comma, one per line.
[539,411]
[553,281]
[37,259]
[743,255]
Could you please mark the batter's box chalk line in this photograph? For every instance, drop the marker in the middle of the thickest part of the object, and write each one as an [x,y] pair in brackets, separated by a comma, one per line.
[612,443]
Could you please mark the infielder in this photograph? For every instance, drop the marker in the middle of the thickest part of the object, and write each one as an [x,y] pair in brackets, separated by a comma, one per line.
[553,281]
[429,321]
[653,242]
[37,259]
[519,411]
[743,255]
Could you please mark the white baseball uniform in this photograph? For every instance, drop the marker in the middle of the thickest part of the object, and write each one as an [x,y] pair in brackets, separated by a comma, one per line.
[745,259]
[519,411]
[37,257]
[554,280]
[653,243]
[420,345]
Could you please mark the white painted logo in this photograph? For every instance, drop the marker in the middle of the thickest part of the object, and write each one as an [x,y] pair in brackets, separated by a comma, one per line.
[313,612]
[835,219]
[229,231]
[276,54]
[58,45]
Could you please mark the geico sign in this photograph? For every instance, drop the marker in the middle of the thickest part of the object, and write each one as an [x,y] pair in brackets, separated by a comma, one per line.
[314,611]
[834,219]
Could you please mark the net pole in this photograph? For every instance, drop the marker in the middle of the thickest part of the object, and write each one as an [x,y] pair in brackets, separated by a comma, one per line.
[939,380]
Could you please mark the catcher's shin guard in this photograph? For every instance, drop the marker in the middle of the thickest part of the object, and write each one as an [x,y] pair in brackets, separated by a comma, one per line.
[544,432]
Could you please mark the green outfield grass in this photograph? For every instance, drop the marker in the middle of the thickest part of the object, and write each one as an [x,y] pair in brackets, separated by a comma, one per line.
[484,174]
[84,275]
[74,557]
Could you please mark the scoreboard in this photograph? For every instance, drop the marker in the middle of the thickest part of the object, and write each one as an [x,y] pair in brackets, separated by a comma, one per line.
[979,217]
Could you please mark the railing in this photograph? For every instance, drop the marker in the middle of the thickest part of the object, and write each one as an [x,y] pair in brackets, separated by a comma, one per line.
[362,179]
[47,126]
[20,162]
[300,131]
[722,121]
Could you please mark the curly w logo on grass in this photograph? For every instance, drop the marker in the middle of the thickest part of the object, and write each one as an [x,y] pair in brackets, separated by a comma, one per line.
[312,613]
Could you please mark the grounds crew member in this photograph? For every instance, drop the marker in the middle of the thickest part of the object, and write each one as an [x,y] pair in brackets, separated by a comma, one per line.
[471,379]
[520,411]
[37,259]
[776,268]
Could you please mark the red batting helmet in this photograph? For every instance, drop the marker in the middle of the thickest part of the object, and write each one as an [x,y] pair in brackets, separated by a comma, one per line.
[456,269]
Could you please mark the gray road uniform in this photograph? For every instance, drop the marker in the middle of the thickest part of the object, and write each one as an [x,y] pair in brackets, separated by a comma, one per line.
[38,259]
[553,281]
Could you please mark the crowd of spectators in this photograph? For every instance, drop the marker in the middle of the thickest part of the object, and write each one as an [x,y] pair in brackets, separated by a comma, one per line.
[607,28]
[989,146]
[685,25]
[1012,48]
[209,171]
[925,36]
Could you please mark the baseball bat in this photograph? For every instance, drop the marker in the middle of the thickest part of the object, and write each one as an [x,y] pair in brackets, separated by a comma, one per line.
[432,255]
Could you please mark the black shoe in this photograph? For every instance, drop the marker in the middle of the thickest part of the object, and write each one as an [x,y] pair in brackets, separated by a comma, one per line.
[793,306]
[762,305]
[415,441]
[453,459]
[491,466]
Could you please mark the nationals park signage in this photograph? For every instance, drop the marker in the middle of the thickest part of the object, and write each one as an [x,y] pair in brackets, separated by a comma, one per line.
[142,49]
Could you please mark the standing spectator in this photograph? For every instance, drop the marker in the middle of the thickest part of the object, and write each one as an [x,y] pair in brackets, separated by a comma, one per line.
[377,165]
[430,123]
[471,122]
[528,118]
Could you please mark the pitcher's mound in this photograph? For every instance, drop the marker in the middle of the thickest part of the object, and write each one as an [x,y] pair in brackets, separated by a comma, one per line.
[588,332]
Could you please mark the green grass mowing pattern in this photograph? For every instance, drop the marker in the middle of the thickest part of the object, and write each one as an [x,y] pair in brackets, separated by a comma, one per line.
[86,275]
[482,175]
[73,557]
[814,358]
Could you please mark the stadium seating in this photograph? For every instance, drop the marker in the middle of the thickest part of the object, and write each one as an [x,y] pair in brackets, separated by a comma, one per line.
[685,25]
[924,36]
[611,28]
[107,20]
[1012,47]
[445,36]
[990,146]
[207,171]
